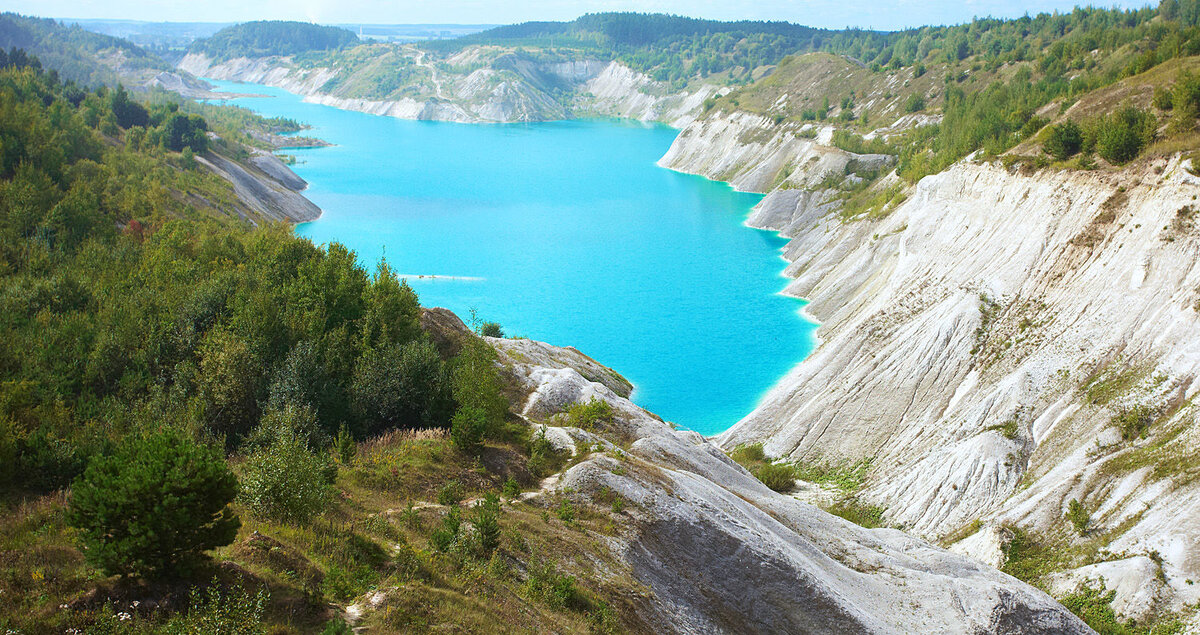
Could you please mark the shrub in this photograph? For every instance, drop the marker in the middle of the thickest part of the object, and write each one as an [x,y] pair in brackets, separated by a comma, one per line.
[491,329]
[476,383]
[486,519]
[154,506]
[232,612]
[915,103]
[1079,516]
[287,482]
[512,489]
[344,446]
[777,476]
[565,511]
[450,494]
[467,428]
[445,538]
[748,454]
[557,590]
[1122,136]
[586,415]
[1134,421]
[543,458]
[1064,140]
[401,386]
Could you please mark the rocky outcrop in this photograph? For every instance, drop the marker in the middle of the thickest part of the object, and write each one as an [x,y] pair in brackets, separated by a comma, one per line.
[722,553]
[268,188]
[508,88]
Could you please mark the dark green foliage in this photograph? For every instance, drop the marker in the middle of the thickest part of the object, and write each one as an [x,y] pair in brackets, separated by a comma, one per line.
[1121,136]
[128,112]
[446,537]
[401,386]
[272,37]
[154,506]
[392,314]
[1134,421]
[544,460]
[1064,140]
[344,446]
[179,131]
[915,103]
[467,429]
[491,329]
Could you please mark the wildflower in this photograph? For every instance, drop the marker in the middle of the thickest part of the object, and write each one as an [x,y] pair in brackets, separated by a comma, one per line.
[136,603]
[64,606]
[124,617]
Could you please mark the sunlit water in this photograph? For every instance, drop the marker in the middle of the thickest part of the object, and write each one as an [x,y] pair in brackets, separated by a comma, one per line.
[565,232]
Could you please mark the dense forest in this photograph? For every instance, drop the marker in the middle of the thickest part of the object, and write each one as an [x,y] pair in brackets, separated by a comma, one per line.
[272,37]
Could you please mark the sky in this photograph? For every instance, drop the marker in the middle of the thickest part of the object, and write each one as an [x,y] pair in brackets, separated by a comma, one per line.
[877,14]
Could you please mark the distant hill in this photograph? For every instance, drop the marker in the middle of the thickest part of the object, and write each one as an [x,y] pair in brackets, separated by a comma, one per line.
[76,54]
[265,38]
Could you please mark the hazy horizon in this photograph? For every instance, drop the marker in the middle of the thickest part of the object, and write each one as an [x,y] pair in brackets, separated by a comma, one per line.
[833,14]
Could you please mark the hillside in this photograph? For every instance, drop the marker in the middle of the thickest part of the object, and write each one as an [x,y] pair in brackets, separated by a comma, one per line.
[86,58]
[271,37]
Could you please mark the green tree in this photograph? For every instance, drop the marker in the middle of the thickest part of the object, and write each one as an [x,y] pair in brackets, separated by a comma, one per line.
[1123,135]
[1064,140]
[393,313]
[401,387]
[477,384]
[467,429]
[486,519]
[286,481]
[154,506]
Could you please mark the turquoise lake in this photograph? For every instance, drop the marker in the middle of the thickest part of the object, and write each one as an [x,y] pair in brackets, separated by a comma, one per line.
[565,232]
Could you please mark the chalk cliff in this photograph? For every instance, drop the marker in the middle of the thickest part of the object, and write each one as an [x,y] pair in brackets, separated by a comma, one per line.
[1002,342]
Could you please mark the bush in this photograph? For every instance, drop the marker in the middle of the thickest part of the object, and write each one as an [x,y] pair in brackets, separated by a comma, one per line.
[557,590]
[467,428]
[450,494]
[585,416]
[486,519]
[233,612]
[1122,136]
[1064,140]
[1079,516]
[512,489]
[287,482]
[777,476]
[401,386]
[154,506]
[491,329]
[543,458]
[915,103]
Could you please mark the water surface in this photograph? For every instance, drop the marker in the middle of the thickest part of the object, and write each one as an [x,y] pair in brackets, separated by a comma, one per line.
[565,232]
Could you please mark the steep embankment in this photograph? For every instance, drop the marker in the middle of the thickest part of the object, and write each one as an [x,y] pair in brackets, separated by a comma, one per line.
[722,552]
[268,188]
[1001,343]
[477,85]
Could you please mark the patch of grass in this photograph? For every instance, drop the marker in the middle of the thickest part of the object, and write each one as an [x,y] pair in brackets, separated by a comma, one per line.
[856,511]
[1106,386]
[846,476]
[588,416]
[1009,429]
[777,476]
